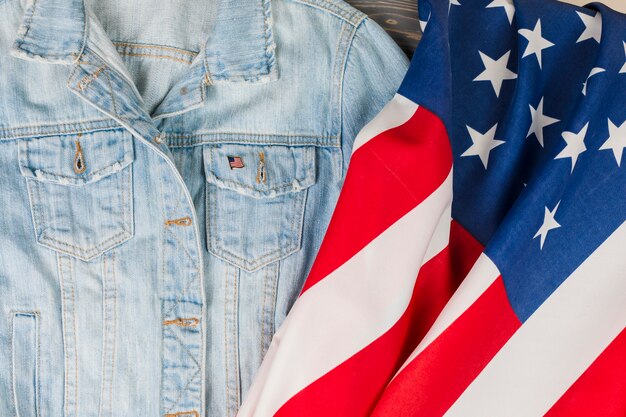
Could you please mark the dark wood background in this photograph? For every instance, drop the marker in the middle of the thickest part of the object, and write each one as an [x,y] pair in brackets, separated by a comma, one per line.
[397,17]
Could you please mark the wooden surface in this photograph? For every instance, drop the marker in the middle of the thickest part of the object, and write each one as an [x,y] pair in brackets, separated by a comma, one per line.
[399,17]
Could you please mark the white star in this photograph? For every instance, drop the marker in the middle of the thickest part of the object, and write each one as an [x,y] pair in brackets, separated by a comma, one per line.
[536,43]
[496,71]
[455,2]
[593,27]
[482,144]
[508,6]
[594,71]
[575,145]
[623,70]
[616,141]
[539,121]
[548,224]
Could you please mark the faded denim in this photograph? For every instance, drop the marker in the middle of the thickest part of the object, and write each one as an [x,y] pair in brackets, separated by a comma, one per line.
[142,271]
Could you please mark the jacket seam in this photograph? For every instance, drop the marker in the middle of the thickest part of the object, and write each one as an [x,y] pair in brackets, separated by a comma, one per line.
[344,65]
[353,17]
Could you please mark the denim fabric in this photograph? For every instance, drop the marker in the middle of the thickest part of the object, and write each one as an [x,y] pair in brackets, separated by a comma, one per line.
[168,172]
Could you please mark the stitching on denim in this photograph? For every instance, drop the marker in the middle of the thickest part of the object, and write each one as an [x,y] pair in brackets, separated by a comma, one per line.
[38,364]
[267,312]
[260,261]
[191,378]
[273,311]
[261,139]
[135,45]
[64,329]
[113,358]
[170,333]
[112,92]
[108,170]
[162,285]
[222,252]
[263,302]
[89,78]
[78,251]
[177,300]
[114,338]
[75,334]
[109,304]
[191,259]
[192,135]
[185,349]
[27,24]
[36,131]
[128,202]
[341,69]
[335,101]
[13,374]
[12,361]
[214,241]
[278,188]
[270,45]
[347,14]
[104,336]
[154,56]
[226,353]
[234,342]
[86,252]
[69,333]
[188,283]
[236,336]
[207,74]
[193,413]
[34,207]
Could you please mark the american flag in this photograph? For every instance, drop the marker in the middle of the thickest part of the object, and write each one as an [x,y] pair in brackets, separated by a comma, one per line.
[235,162]
[497,289]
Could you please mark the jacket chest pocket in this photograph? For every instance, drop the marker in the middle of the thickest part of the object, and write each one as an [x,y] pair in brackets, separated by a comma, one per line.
[255,201]
[80,191]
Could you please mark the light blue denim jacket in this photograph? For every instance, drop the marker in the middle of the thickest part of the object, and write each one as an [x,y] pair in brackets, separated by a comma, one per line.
[168,170]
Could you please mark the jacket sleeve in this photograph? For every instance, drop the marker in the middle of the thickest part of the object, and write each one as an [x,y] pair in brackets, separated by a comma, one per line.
[375,66]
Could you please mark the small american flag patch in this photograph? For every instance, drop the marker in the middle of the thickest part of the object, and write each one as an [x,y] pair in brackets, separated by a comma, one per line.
[235,162]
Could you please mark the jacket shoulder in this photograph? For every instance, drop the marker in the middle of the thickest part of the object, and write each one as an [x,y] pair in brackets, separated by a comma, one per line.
[338,8]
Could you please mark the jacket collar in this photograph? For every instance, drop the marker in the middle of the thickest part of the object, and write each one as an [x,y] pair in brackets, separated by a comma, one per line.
[56,31]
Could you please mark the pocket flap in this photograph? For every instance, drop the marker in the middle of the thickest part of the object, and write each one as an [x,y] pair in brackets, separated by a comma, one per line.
[260,171]
[76,159]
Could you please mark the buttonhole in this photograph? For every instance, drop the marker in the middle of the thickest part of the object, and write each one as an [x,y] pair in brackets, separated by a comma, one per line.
[182,322]
[184,221]
[79,159]
[261,174]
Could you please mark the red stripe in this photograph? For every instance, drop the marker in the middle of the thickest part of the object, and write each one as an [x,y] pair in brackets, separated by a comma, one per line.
[601,389]
[433,381]
[388,176]
[353,388]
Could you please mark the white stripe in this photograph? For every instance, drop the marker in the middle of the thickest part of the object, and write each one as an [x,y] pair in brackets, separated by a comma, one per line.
[395,113]
[441,237]
[348,309]
[557,343]
[481,276]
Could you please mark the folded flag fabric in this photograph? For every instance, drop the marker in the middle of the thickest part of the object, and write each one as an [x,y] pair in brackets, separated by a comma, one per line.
[495,288]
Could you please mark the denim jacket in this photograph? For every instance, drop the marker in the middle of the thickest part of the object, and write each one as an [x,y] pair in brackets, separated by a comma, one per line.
[168,172]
